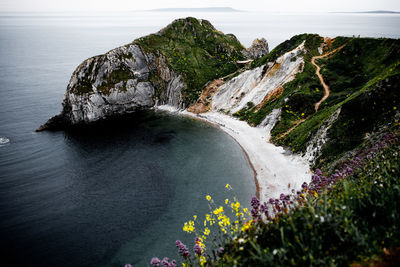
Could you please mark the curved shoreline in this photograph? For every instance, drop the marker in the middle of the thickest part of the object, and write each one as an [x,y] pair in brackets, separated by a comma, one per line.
[275,170]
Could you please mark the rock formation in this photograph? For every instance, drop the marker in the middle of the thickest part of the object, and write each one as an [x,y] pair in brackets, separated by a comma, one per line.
[169,67]
[258,49]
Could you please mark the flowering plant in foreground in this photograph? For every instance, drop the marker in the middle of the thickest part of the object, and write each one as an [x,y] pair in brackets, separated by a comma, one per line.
[222,223]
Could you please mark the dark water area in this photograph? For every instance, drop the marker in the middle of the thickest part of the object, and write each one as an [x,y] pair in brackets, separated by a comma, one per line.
[115,192]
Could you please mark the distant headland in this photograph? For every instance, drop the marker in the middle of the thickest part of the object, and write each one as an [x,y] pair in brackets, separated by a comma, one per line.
[373,12]
[203,9]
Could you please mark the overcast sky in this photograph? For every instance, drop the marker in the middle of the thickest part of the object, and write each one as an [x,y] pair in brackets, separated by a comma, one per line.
[251,5]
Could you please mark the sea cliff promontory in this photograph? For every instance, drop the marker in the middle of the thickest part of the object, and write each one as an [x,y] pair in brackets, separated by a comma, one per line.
[168,67]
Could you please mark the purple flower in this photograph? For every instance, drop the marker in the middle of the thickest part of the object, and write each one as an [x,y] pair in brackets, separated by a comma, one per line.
[255,203]
[197,249]
[271,201]
[263,207]
[128,265]
[155,262]
[304,185]
[254,213]
[221,250]
[182,249]
[318,172]
[172,264]
[165,262]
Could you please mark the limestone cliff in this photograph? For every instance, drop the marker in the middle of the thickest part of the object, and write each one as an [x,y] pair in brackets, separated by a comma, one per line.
[168,67]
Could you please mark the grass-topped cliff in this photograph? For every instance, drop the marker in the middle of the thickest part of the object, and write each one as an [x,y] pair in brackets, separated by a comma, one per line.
[195,49]
[363,78]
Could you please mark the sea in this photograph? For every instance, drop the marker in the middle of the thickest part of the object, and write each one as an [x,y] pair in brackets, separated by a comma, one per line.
[118,191]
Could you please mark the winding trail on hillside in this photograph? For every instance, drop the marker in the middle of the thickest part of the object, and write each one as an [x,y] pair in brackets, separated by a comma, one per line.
[326,87]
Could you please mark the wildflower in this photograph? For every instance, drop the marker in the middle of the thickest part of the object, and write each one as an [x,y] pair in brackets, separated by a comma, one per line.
[165,262]
[128,265]
[263,207]
[275,251]
[254,213]
[235,206]
[246,226]
[226,201]
[206,231]
[197,249]
[172,264]
[182,249]
[189,227]
[219,210]
[221,250]
[208,197]
[155,262]
[255,203]
[228,186]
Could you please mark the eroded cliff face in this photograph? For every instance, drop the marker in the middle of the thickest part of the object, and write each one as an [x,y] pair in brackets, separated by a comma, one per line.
[118,82]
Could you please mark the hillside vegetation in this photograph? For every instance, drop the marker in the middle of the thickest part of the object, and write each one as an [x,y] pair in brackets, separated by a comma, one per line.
[196,50]
[363,78]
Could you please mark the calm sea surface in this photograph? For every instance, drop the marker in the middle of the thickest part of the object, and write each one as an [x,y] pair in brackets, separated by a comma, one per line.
[117,192]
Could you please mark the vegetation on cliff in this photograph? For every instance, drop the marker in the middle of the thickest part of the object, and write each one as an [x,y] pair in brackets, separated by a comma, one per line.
[363,78]
[195,49]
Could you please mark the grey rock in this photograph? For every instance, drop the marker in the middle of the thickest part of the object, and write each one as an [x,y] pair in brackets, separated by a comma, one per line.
[120,81]
[258,49]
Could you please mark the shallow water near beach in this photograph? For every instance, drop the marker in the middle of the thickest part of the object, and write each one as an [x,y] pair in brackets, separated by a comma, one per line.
[117,192]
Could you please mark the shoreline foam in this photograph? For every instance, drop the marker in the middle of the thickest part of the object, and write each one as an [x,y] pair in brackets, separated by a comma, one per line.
[275,170]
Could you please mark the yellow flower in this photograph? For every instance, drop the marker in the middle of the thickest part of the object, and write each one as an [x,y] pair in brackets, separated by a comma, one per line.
[246,226]
[226,201]
[227,186]
[245,209]
[188,227]
[219,210]
[208,197]
[195,217]
[206,231]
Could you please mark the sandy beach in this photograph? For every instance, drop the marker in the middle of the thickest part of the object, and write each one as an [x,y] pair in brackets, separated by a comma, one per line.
[276,170]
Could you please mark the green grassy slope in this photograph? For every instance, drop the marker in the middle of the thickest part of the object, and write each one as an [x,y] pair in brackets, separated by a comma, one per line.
[197,50]
[363,79]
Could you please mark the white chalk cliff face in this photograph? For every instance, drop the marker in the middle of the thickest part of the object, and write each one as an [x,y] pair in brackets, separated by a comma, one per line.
[314,146]
[254,85]
[121,81]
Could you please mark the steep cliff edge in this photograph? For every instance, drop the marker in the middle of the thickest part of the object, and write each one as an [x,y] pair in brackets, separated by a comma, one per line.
[361,75]
[168,67]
